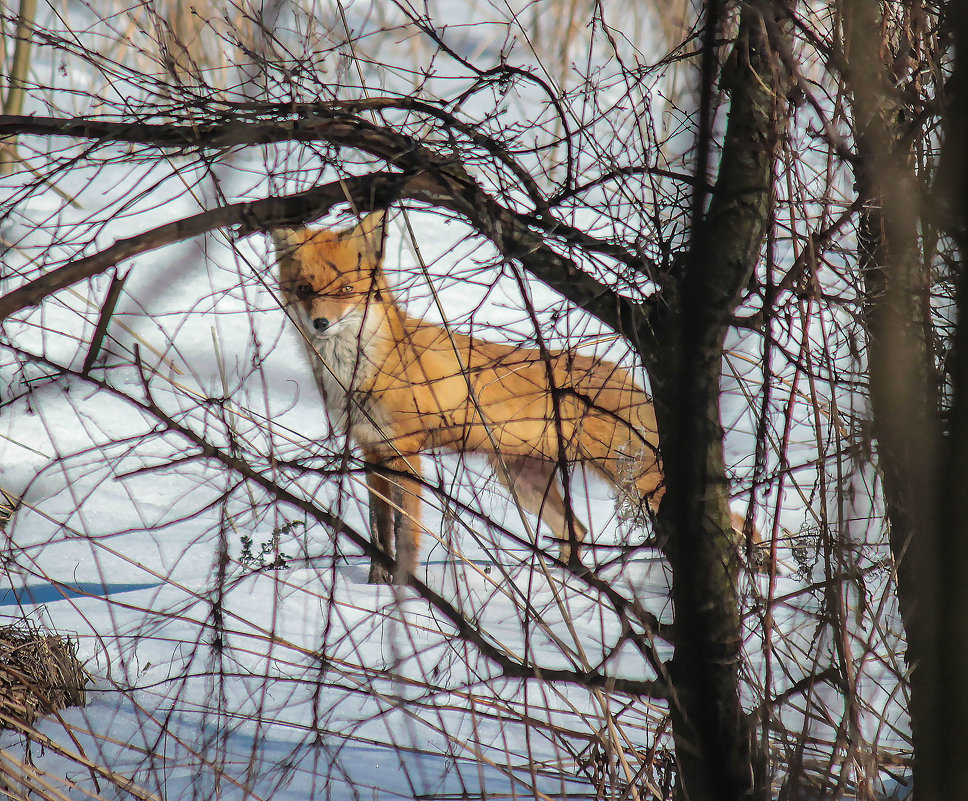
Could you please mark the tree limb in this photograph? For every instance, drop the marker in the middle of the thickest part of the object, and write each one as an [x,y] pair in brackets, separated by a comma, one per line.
[371,191]
[438,180]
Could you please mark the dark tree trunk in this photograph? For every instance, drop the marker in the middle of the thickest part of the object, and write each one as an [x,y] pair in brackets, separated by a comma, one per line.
[712,734]
[952,643]
[903,380]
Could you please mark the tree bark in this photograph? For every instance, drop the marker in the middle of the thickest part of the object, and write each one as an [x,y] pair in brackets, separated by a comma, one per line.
[903,384]
[952,643]
[13,100]
[712,734]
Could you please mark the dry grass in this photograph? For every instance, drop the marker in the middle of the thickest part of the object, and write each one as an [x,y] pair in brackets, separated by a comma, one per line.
[39,674]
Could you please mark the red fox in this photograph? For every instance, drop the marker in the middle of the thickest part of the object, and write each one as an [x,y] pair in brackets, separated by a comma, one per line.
[402,386]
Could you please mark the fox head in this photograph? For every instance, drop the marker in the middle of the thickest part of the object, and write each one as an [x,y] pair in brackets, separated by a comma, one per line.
[328,276]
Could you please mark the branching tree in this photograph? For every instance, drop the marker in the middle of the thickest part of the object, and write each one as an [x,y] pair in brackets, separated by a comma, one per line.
[741,211]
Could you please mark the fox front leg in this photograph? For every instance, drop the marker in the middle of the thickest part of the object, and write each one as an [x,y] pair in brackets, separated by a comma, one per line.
[382,524]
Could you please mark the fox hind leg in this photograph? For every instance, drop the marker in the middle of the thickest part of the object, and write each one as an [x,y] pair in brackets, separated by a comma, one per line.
[535,486]
[406,529]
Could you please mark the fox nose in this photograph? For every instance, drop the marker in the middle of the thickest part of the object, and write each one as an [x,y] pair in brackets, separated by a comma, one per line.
[320,323]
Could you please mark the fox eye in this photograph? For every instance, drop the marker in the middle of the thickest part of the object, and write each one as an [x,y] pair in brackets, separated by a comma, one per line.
[346,289]
[304,291]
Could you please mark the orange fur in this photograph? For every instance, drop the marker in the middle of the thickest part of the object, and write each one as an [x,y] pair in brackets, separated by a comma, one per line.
[402,386]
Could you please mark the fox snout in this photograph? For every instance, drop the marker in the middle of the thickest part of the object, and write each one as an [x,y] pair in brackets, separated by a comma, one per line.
[320,324]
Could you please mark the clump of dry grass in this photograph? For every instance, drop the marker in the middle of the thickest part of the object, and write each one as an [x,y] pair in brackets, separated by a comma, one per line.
[39,674]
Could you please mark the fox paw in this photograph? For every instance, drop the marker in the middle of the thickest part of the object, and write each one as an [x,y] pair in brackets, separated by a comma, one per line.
[379,575]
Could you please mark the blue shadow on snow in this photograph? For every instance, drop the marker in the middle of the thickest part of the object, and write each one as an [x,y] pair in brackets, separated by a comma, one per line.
[48,593]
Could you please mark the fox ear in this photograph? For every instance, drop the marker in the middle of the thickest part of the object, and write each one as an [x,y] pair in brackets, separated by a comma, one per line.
[372,230]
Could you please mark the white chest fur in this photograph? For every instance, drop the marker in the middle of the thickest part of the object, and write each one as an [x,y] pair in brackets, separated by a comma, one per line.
[343,362]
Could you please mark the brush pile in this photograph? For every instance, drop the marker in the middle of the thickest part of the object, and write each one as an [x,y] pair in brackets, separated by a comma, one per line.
[39,674]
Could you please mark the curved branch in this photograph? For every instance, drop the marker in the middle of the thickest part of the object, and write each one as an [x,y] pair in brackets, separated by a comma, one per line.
[430,177]
[327,122]
[372,191]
